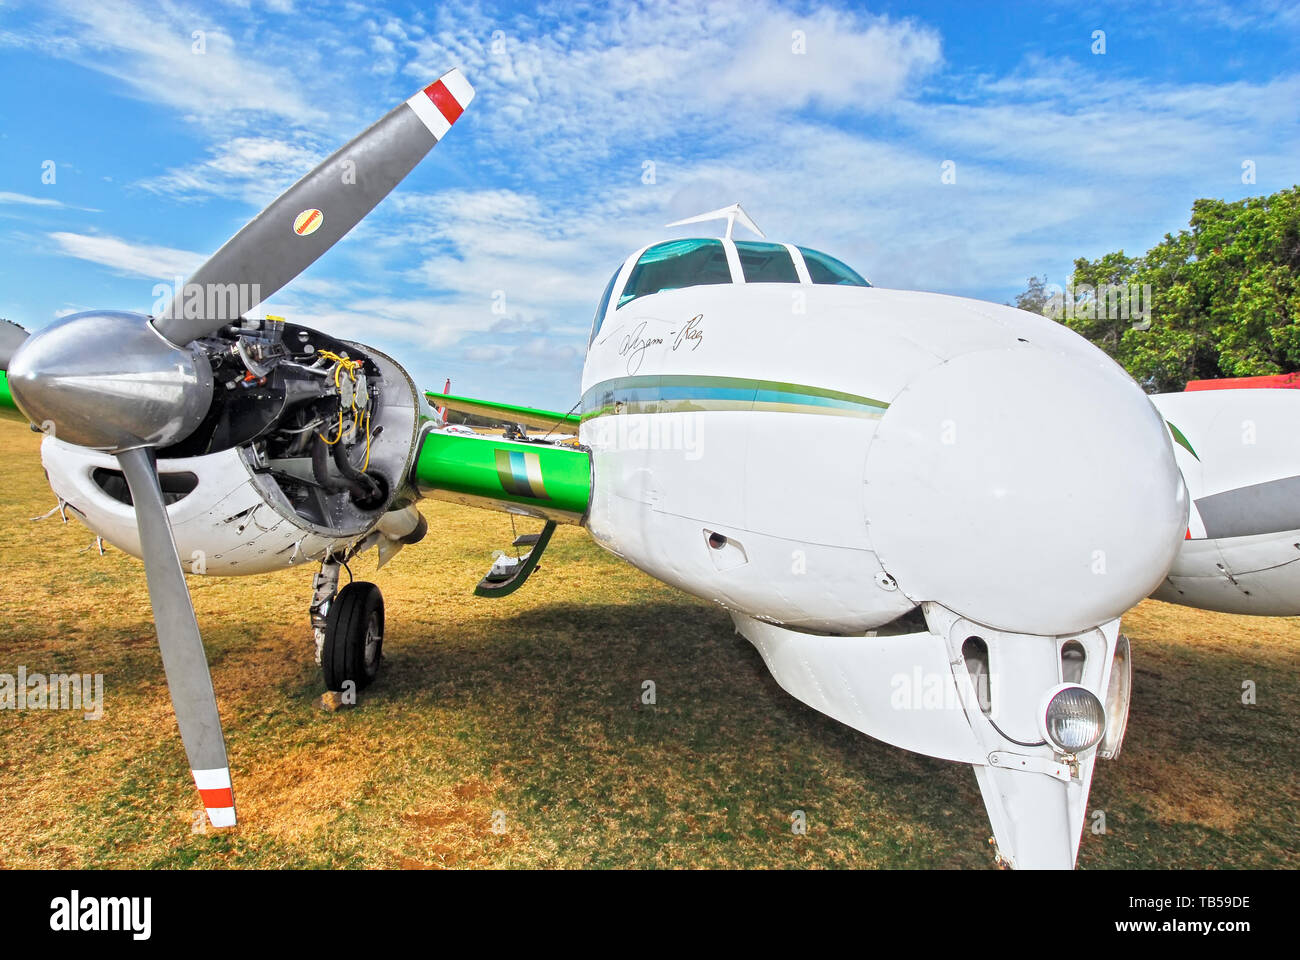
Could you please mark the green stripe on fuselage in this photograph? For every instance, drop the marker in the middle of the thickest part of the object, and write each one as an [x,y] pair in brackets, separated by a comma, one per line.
[681,393]
[1181,440]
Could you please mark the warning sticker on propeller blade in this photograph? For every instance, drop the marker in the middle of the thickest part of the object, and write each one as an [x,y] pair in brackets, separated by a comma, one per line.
[308,222]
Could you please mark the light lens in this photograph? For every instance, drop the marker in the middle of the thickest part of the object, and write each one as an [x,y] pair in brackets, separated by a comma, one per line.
[1075,720]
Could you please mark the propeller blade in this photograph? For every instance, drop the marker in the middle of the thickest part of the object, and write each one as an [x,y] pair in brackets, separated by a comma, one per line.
[314,214]
[11,338]
[184,660]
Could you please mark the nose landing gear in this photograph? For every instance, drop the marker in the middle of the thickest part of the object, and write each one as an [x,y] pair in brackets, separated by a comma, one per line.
[354,637]
[349,629]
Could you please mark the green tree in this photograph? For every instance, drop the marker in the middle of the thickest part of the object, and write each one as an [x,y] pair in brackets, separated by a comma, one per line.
[1225,296]
[1035,296]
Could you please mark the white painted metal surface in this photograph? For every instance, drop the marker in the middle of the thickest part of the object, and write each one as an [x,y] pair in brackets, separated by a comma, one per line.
[821,459]
[224,527]
[1243,538]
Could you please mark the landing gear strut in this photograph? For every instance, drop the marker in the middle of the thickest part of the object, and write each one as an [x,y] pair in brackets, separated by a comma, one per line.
[349,629]
[325,587]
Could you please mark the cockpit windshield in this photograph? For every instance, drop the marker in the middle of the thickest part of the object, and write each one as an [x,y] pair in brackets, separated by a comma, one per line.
[675,264]
[766,262]
[823,268]
[604,305]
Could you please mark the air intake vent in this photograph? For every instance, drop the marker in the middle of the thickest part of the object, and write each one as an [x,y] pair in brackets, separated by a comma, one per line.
[175,486]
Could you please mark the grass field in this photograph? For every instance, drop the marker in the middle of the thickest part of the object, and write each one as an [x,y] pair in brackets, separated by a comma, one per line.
[530,706]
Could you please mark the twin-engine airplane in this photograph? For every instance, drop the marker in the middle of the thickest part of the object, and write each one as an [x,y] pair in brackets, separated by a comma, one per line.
[927,513]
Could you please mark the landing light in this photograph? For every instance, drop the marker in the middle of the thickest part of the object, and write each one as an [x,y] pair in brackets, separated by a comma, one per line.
[1072,718]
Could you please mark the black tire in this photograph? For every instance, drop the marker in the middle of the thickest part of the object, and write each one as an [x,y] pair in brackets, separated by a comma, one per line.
[355,614]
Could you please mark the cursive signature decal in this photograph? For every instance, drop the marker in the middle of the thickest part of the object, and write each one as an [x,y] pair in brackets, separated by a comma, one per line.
[634,345]
[692,333]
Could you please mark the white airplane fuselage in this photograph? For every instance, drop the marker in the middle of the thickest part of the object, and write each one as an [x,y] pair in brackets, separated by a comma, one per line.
[822,460]
[863,450]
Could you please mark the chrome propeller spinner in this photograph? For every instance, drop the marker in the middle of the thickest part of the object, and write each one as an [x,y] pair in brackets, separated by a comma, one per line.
[109,381]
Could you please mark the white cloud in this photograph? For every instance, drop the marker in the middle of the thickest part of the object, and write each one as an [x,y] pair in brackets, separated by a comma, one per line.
[657,71]
[429,324]
[153,50]
[559,360]
[160,263]
[1153,17]
[23,199]
[138,260]
[847,61]
[509,262]
[255,169]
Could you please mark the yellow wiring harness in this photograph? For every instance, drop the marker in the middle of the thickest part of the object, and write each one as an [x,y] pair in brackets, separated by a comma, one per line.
[351,367]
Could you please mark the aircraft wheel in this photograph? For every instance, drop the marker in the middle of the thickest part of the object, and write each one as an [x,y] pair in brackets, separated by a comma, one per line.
[354,637]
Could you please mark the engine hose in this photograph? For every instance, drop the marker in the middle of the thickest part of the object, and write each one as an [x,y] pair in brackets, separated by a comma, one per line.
[320,470]
[372,489]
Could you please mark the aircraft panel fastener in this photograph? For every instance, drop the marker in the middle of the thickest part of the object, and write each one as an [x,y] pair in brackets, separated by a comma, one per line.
[1016,761]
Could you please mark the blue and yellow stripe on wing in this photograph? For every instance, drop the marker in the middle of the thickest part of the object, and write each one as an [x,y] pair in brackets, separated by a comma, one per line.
[679,393]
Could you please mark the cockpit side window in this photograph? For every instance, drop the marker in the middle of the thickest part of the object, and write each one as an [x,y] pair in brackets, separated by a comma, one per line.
[604,305]
[676,264]
[766,262]
[823,268]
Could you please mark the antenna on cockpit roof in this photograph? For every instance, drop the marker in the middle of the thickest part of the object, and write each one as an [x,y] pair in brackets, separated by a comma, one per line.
[731,214]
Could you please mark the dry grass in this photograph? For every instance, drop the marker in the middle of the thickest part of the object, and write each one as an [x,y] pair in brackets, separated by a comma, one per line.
[530,706]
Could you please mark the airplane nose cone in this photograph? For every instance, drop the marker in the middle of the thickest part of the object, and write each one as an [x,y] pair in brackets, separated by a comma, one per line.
[108,381]
[1026,490]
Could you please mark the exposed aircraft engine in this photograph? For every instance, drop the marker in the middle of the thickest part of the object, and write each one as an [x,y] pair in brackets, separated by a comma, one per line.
[328,427]
[305,443]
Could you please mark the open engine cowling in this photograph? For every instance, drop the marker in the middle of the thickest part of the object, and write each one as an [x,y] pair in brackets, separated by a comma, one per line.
[307,442]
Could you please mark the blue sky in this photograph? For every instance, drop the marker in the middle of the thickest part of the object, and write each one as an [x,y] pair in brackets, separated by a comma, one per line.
[161,153]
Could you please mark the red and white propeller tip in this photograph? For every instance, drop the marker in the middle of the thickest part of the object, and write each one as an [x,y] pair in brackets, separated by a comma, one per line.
[217,796]
[441,103]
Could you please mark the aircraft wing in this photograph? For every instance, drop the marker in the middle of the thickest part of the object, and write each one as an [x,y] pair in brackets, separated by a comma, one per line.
[508,413]
[8,409]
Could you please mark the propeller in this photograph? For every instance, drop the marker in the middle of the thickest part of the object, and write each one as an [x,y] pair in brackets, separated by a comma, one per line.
[183,657]
[130,385]
[11,338]
[311,216]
